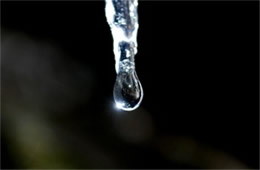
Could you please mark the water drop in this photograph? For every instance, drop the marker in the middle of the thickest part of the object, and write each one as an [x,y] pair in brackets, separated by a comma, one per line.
[128,91]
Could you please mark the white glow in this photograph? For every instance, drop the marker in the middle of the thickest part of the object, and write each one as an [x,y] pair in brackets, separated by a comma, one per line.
[121,106]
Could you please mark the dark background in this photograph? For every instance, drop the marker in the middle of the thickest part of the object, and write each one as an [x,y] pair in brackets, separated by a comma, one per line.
[197,62]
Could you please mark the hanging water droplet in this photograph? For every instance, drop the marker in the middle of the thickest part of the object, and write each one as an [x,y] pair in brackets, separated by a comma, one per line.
[128,91]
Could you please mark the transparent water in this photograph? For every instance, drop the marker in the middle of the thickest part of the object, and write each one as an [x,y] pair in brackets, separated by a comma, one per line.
[123,20]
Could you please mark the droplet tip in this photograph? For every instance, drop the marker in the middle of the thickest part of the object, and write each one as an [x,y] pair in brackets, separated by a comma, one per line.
[121,106]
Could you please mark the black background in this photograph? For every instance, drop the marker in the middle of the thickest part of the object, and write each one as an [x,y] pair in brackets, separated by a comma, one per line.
[197,62]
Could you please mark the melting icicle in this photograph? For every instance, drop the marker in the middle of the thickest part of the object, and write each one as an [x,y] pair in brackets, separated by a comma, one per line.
[123,20]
